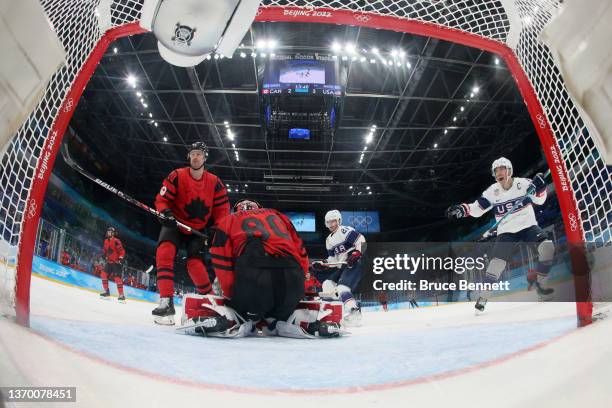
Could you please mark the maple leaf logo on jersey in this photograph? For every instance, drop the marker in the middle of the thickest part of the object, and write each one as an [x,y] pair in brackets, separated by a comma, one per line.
[197,209]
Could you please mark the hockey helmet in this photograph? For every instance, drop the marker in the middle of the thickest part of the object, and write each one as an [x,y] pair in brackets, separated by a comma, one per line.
[333,215]
[198,146]
[502,162]
[112,231]
[246,204]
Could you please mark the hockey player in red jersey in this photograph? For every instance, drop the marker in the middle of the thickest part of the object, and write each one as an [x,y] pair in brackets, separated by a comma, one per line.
[113,255]
[196,198]
[261,265]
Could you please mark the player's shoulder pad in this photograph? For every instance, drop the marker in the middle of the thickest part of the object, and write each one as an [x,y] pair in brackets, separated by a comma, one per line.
[345,229]
[490,191]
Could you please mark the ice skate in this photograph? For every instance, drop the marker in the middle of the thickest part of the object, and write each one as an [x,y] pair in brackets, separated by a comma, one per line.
[545,294]
[105,295]
[121,299]
[480,306]
[204,325]
[164,313]
[353,318]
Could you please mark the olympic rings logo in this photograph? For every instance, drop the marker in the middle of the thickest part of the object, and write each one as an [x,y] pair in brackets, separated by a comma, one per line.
[362,18]
[573,222]
[360,220]
[32,209]
[541,121]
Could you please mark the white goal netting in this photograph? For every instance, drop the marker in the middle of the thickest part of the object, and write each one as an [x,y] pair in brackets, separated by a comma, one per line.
[81,25]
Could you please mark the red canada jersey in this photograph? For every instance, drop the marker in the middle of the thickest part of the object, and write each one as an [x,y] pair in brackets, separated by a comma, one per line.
[193,202]
[113,250]
[231,233]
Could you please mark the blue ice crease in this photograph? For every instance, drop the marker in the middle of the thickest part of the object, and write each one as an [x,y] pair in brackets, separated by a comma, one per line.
[288,364]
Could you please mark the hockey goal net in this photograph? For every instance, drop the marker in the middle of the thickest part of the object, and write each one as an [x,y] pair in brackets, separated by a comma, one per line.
[509,28]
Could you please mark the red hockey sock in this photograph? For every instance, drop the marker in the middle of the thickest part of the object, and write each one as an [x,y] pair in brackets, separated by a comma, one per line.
[165,268]
[104,277]
[199,276]
[119,285]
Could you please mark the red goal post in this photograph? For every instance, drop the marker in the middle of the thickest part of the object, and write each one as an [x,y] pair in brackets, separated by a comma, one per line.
[508,28]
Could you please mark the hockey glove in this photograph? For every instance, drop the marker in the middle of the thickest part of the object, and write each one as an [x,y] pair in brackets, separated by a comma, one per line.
[168,219]
[456,212]
[539,183]
[352,259]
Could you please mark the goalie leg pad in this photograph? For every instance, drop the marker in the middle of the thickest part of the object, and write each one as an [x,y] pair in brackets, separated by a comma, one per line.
[198,308]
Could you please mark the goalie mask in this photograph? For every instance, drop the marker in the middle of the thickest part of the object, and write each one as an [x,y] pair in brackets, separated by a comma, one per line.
[502,162]
[245,205]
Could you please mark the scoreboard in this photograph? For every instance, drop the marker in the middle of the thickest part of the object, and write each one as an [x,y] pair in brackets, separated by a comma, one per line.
[301,75]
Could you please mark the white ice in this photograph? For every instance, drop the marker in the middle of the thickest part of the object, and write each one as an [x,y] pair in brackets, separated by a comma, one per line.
[516,354]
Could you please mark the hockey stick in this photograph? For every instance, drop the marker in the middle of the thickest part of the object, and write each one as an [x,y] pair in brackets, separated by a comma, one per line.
[512,210]
[149,269]
[339,263]
[75,166]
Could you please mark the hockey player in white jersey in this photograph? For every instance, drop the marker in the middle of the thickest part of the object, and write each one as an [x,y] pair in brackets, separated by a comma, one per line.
[343,269]
[519,226]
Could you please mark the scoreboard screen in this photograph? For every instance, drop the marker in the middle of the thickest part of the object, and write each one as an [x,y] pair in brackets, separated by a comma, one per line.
[301,77]
[302,221]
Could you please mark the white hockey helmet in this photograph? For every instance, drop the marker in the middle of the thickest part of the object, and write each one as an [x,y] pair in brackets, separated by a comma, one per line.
[333,215]
[502,162]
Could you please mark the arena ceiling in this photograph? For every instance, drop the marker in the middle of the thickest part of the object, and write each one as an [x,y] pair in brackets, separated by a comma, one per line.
[442,112]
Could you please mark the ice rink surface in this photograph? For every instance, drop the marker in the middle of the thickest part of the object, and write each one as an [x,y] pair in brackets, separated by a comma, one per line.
[516,354]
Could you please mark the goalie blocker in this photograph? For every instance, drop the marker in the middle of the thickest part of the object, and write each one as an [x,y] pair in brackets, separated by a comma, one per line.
[207,315]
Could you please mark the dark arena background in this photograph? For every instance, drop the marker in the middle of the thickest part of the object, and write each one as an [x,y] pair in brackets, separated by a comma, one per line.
[388,111]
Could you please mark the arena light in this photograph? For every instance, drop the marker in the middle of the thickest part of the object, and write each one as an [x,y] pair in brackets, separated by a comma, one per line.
[462,109]
[402,54]
[272,44]
[156,124]
[372,61]
[350,48]
[139,94]
[375,50]
[216,56]
[445,131]
[208,57]
[363,59]
[242,55]
[435,145]
[115,50]
[165,139]
[408,65]
[350,187]
[454,118]
[131,80]
[261,44]
[150,115]
[263,55]
[394,53]
[369,138]
[367,187]
[336,47]
[145,105]
[476,89]
[496,61]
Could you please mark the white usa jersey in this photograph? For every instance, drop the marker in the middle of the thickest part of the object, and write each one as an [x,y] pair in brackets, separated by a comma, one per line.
[502,201]
[341,242]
